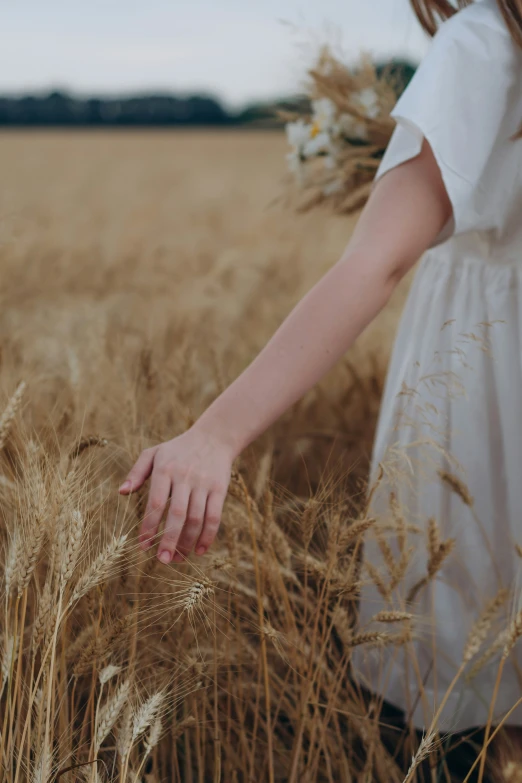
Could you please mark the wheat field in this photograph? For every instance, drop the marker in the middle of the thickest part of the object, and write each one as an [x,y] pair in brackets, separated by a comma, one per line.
[141,272]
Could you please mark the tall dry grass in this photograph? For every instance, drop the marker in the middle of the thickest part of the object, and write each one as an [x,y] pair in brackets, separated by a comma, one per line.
[140,273]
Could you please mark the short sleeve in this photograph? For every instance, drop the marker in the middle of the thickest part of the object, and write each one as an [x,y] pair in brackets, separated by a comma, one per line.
[458,100]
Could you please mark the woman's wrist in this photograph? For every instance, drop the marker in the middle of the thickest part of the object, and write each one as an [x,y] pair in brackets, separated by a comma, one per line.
[215,428]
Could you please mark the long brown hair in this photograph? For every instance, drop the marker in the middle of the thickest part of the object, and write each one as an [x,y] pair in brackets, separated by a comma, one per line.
[430,12]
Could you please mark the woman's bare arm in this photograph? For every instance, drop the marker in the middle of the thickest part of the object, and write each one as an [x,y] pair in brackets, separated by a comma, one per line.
[407,209]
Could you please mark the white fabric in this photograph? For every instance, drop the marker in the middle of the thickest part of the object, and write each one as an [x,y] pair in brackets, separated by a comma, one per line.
[453,397]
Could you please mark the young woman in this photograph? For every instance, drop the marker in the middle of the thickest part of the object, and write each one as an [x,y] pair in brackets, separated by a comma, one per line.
[450,183]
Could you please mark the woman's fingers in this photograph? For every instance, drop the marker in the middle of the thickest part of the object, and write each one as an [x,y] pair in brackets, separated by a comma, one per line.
[174,524]
[140,472]
[212,521]
[193,524]
[194,471]
[158,495]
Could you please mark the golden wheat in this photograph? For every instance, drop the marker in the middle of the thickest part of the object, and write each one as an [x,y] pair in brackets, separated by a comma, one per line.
[110,712]
[10,411]
[126,317]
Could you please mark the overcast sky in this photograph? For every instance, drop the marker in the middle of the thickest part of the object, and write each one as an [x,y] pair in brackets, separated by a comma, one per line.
[237,49]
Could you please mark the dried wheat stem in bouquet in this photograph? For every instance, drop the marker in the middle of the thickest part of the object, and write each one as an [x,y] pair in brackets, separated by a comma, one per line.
[337,148]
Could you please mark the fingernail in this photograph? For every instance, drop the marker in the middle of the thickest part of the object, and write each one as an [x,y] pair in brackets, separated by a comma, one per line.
[178,558]
[201,550]
[165,556]
[125,486]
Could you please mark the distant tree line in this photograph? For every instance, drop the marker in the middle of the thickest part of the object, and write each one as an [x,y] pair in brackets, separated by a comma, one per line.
[64,110]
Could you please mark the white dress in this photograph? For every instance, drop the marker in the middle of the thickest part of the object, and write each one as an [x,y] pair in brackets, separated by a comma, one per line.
[453,397]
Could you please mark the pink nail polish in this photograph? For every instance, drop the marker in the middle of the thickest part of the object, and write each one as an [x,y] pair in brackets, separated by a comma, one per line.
[201,550]
[125,486]
[165,556]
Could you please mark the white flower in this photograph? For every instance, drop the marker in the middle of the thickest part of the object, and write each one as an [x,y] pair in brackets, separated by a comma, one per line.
[321,142]
[368,100]
[308,141]
[324,114]
[353,128]
[298,133]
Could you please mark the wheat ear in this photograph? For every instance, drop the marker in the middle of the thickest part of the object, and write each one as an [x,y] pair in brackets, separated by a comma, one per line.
[71,548]
[109,713]
[100,569]
[146,714]
[480,629]
[427,746]
[10,412]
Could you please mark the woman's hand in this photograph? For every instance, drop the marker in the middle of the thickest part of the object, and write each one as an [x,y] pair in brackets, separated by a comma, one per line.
[193,470]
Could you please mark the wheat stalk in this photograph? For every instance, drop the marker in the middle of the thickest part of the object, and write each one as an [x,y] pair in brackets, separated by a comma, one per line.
[434,540]
[332,545]
[108,672]
[196,595]
[124,738]
[309,520]
[42,771]
[100,569]
[435,562]
[377,580]
[181,727]
[371,638]
[479,631]
[12,559]
[71,547]
[354,531]
[44,614]
[438,552]
[150,742]
[343,625]
[103,645]
[498,644]
[514,631]
[277,638]
[387,554]
[312,564]
[7,662]
[87,443]
[457,486]
[80,642]
[34,539]
[10,412]
[110,712]
[391,617]
[154,735]
[146,714]
[427,746]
